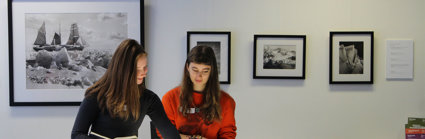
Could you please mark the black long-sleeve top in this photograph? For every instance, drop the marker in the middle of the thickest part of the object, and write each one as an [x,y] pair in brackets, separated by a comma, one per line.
[102,123]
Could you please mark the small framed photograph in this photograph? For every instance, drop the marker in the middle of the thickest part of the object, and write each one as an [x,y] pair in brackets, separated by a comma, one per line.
[220,43]
[351,57]
[279,56]
[57,49]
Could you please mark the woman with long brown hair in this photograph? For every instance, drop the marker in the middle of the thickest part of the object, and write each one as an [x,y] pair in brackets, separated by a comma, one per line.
[117,103]
[198,108]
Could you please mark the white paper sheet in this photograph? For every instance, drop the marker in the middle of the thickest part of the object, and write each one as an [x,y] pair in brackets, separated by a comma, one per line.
[399,59]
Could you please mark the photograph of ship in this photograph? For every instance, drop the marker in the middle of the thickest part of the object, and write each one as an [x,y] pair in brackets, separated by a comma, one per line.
[351,58]
[70,50]
[279,57]
[215,45]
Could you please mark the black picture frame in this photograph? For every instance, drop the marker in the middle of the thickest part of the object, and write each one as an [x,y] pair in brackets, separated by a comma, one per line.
[220,41]
[289,64]
[351,57]
[17,13]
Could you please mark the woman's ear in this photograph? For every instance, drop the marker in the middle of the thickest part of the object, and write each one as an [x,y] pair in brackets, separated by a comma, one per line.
[187,66]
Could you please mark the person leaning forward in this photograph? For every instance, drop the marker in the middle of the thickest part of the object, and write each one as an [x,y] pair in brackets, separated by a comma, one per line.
[114,107]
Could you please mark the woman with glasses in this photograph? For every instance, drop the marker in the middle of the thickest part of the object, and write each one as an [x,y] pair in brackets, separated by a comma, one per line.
[198,108]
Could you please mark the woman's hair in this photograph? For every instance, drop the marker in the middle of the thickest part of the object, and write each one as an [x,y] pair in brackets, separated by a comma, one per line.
[211,94]
[118,91]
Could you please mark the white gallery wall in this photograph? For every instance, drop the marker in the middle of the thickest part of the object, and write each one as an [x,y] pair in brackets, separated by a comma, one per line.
[266,108]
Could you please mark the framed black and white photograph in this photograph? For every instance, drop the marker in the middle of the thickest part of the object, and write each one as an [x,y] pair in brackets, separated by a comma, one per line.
[220,43]
[279,56]
[59,49]
[351,57]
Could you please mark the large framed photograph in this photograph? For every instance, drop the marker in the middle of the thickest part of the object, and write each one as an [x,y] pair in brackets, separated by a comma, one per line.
[279,56]
[59,49]
[351,57]
[220,43]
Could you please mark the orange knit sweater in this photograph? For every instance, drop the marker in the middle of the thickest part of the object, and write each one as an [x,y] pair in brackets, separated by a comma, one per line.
[194,124]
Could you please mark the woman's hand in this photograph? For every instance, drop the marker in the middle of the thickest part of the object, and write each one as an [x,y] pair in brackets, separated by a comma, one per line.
[191,136]
[183,136]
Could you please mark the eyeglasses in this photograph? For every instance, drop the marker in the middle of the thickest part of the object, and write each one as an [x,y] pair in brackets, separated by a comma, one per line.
[203,73]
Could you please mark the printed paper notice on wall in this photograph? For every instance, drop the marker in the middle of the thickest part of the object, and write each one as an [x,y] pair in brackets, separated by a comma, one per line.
[399,59]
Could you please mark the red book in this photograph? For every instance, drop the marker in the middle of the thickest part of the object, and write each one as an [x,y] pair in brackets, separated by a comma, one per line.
[412,133]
